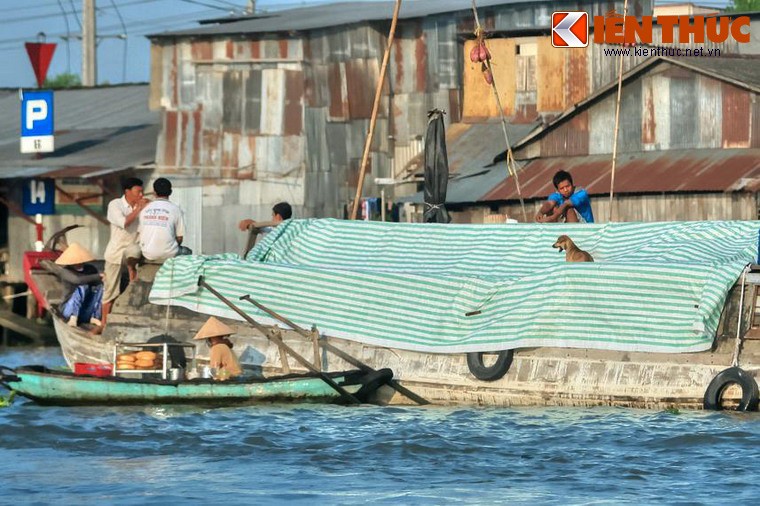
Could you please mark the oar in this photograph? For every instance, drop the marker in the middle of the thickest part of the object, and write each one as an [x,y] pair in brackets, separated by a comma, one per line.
[342,391]
[337,351]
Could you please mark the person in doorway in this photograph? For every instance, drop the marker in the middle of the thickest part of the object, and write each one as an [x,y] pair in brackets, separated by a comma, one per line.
[568,204]
[162,225]
[221,356]
[82,285]
[122,249]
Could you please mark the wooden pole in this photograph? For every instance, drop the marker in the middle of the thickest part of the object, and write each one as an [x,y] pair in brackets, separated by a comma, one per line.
[511,170]
[269,335]
[89,44]
[337,351]
[375,107]
[617,118]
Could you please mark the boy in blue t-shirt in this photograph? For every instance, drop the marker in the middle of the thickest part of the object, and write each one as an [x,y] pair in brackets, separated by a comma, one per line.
[566,204]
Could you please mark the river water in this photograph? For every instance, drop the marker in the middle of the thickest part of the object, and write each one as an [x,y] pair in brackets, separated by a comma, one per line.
[337,455]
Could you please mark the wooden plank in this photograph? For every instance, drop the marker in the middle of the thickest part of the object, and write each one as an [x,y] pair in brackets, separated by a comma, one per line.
[551,77]
[314,335]
[28,328]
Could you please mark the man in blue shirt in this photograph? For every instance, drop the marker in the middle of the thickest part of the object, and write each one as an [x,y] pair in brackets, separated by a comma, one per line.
[567,204]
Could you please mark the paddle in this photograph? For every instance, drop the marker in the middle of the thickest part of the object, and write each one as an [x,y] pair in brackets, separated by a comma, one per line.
[342,391]
[337,351]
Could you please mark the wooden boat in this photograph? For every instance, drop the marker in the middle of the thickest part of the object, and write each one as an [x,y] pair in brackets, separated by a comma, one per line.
[532,376]
[49,387]
[536,377]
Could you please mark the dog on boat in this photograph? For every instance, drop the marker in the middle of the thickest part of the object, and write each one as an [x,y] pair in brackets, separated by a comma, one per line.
[572,252]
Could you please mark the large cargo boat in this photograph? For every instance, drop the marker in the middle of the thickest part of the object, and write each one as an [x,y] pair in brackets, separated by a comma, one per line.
[653,322]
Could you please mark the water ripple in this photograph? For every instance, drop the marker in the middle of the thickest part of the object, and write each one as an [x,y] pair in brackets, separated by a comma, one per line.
[274,453]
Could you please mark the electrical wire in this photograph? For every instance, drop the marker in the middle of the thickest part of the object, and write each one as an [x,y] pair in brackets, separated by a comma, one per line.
[55,14]
[175,19]
[68,37]
[126,42]
[196,2]
[76,15]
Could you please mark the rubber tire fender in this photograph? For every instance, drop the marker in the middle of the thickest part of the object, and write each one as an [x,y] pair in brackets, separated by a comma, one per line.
[732,375]
[493,372]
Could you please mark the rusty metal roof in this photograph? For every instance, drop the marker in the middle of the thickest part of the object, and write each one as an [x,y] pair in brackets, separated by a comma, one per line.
[333,14]
[473,146]
[742,71]
[702,170]
[473,150]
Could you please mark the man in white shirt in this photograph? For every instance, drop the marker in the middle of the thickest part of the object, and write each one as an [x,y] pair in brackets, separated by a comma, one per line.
[162,226]
[122,248]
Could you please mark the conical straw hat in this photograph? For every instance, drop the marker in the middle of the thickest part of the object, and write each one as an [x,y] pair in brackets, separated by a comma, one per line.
[75,254]
[213,328]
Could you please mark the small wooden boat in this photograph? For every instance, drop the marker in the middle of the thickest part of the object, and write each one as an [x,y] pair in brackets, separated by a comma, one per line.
[46,386]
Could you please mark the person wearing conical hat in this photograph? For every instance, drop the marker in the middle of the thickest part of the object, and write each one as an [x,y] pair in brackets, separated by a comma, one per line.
[221,358]
[83,286]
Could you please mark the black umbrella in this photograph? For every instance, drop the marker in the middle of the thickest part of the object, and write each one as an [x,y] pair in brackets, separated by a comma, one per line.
[436,169]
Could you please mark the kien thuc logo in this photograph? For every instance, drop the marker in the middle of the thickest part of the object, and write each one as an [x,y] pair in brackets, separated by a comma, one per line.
[570,29]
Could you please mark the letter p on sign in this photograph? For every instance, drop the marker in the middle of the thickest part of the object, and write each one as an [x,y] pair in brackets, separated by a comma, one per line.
[570,29]
[36,110]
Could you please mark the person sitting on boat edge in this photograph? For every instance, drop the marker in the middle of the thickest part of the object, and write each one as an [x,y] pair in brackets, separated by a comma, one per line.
[568,203]
[122,249]
[221,356]
[83,286]
[162,225]
[257,229]
[280,212]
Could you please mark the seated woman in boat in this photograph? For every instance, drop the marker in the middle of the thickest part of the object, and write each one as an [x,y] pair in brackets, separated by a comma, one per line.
[82,285]
[222,357]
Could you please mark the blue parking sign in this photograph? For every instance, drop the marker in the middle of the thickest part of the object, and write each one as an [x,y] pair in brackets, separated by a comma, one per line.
[37,126]
[38,196]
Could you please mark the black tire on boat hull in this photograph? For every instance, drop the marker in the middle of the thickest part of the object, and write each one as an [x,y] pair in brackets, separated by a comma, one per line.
[732,376]
[492,372]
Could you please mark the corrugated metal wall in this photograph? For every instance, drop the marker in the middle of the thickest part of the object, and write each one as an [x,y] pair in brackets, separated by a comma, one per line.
[293,110]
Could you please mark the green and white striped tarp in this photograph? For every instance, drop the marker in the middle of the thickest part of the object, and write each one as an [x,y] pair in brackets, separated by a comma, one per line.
[656,287]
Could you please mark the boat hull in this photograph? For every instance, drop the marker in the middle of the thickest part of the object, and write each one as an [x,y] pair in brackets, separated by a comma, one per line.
[537,377]
[61,388]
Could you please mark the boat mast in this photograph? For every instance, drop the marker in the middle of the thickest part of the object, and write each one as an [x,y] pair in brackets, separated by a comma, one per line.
[375,107]
[511,170]
[617,115]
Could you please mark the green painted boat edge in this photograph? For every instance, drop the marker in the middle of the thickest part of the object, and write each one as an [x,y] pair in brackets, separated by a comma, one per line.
[63,388]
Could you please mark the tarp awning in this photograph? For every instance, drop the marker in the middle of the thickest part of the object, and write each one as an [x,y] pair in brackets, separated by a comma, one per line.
[654,287]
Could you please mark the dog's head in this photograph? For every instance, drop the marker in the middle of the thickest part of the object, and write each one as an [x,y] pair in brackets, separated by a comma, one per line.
[563,242]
